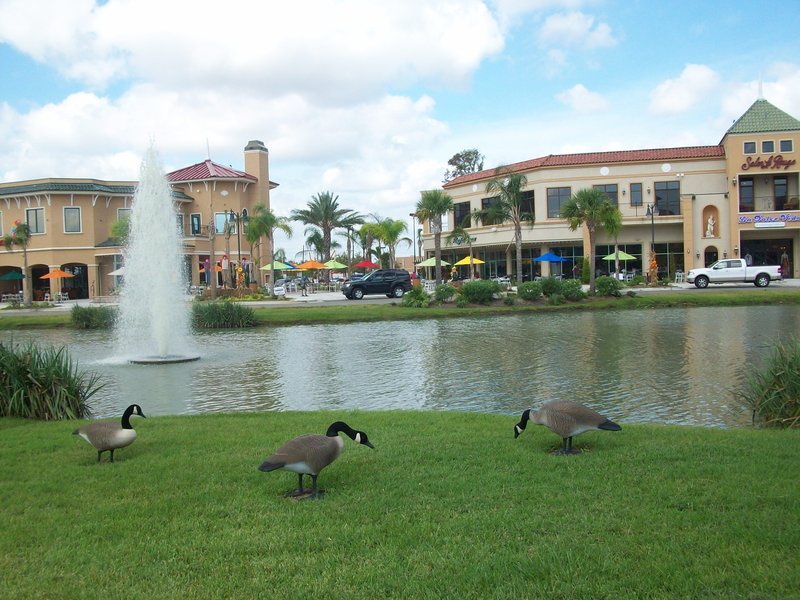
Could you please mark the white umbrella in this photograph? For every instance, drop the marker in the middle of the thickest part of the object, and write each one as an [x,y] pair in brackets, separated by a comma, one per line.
[120,271]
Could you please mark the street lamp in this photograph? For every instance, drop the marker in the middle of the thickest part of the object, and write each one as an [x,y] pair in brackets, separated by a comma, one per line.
[652,212]
[238,218]
[414,236]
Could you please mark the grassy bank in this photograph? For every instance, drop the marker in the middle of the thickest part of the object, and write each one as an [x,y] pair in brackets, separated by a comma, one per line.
[448,505]
[359,312]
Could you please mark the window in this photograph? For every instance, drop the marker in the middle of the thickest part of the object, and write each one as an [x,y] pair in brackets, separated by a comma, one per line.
[556,197]
[245,220]
[180,224]
[747,200]
[34,217]
[123,213]
[526,203]
[487,205]
[219,221]
[781,190]
[636,194]
[72,219]
[461,215]
[768,147]
[610,191]
[749,147]
[668,197]
[194,223]
[1,223]
[786,146]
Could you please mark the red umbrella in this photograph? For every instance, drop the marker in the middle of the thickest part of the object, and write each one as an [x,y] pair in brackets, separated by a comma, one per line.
[366,264]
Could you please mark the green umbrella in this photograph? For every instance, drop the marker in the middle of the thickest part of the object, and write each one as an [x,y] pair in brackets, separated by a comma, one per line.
[334,264]
[12,275]
[431,262]
[279,266]
[622,256]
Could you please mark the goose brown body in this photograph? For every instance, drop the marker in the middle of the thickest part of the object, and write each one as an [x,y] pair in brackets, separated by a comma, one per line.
[567,419]
[111,435]
[310,453]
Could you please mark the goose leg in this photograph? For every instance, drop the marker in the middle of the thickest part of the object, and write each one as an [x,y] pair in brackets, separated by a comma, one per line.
[99,452]
[112,456]
[314,487]
[299,491]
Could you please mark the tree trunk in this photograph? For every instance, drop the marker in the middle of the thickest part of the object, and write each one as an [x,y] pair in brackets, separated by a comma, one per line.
[518,244]
[27,291]
[591,260]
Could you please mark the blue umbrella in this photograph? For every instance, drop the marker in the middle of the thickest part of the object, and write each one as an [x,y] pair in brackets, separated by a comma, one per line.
[550,257]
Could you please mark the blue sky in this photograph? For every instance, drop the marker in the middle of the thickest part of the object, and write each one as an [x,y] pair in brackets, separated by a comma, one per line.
[369,99]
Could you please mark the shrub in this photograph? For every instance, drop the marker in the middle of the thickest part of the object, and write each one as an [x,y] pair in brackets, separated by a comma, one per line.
[550,286]
[481,291]
[93,317]
[222,315]
[461,301]
[417,297]
[773,394]
[43,383]
[608,286]
[444,292]
[637,280]
[556,300]
[510,299]
[571,290]
[530,290]
[585,272]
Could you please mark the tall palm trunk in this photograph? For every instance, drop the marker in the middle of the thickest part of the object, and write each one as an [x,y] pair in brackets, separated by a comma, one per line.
[27,291]
[518,244]
[437,249]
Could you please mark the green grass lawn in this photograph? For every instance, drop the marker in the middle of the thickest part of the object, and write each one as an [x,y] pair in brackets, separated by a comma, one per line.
[447,505]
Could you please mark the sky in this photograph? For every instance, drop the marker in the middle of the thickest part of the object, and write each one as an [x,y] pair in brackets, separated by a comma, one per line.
[369,99]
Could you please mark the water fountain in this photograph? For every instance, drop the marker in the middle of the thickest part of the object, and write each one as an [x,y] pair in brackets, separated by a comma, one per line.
[153,325]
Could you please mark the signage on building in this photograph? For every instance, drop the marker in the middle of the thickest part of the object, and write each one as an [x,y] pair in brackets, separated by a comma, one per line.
[773,162]
[762,220]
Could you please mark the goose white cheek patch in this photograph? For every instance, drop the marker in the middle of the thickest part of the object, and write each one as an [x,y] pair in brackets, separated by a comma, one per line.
[358,438]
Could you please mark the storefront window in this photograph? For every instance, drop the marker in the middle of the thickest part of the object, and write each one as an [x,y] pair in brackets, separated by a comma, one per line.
[747,200]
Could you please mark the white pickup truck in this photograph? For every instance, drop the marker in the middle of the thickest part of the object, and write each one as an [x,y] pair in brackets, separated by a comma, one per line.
[733,270]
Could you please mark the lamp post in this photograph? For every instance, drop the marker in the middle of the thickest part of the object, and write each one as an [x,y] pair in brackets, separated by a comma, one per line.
[238,218]
[414,236]
[652,212]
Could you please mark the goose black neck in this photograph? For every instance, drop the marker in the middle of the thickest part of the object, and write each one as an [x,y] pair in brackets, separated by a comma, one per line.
[126,418]
[338,426]
[523,422]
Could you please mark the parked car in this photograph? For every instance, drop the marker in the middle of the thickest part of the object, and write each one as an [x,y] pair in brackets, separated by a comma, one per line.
[392,282]
[734,270]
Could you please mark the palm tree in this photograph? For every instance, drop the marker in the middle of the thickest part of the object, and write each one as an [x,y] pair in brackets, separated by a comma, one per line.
[21,236]
[431,207]
[461,235]
[592,208]
[508,206]
[323,212]
[613,227]
[391,233]
[263,223]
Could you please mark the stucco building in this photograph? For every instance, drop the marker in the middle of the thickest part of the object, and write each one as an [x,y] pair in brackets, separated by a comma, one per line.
[71,220]
[738,198]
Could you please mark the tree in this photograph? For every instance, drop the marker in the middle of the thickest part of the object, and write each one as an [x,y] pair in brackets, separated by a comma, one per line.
[263,223]
[508,205]
[323,211]
[464,162]
[120,230]
[613,226]
[460,235]
[20,235]
[391,231]
[590,207]
[431,207]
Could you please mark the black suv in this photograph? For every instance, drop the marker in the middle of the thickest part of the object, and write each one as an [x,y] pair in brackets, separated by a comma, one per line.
[392,282]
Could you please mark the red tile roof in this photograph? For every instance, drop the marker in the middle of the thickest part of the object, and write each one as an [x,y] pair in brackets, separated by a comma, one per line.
[597,158]
[207,170]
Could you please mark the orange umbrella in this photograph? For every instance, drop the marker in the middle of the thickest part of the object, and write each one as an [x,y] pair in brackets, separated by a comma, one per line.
[311,264]
[56,273]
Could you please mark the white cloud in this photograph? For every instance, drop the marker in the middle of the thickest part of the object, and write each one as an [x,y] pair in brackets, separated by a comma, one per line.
[582,100]
[691,87]
[575,29]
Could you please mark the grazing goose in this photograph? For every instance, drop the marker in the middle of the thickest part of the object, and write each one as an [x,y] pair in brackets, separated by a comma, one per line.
[110,435]
[567,419]
[310,453]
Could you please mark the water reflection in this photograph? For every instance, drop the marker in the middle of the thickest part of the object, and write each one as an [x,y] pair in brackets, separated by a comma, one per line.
[666,365]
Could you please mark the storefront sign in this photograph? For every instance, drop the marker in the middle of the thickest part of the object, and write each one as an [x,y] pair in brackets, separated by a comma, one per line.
[773,162]
[762,220]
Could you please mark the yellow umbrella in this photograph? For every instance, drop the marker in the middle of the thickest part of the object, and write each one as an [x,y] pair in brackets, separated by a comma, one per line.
[465,261]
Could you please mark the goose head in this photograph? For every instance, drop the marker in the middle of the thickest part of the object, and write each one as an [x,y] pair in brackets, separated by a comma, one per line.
[523,422]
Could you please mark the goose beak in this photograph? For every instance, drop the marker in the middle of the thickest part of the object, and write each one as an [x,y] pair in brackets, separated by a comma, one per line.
[368,445]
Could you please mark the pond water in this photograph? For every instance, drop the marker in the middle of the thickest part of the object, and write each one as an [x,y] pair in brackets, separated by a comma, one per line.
[668,365]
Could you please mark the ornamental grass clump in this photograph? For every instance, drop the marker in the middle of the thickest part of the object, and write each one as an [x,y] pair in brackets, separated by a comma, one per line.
[416,298]
[93,317]
[773,394]
[43,383]
[481,291]
[222,315]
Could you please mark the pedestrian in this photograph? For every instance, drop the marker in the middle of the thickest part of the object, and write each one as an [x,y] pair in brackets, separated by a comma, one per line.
[304,285]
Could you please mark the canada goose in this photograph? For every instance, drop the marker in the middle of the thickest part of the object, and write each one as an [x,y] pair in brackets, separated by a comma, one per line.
[567,419]
[310,453]
[110,435]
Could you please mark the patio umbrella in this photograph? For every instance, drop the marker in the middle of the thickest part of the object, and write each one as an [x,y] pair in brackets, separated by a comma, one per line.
[465,261]
[367,264]
[120,271]
[311,264]
[431,262]
[61,274]
[333,264]
[279,266]
[12,275]
[622,256]
[550,257]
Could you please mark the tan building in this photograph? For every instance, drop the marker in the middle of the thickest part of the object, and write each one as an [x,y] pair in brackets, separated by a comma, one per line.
[695,204]
[71,221]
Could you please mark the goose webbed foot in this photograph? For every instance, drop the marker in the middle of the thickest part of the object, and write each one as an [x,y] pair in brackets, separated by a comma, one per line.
[566,448]
[299,491]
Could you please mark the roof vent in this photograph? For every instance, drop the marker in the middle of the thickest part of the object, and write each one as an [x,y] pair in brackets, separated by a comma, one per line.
[255,145]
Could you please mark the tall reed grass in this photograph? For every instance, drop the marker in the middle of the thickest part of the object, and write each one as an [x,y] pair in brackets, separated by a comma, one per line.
[773,393]
[222,315]
[93,317]
[43,383]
